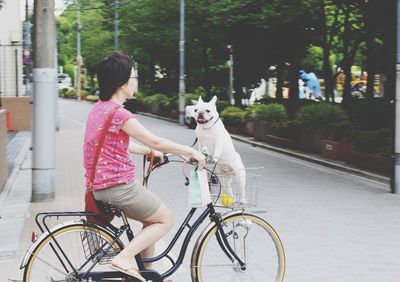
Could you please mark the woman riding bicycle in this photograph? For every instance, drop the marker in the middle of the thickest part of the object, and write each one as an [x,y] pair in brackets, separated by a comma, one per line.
[115,180]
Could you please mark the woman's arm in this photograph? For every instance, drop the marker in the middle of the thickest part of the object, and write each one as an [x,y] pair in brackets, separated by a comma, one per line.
[135,148]
[136,130]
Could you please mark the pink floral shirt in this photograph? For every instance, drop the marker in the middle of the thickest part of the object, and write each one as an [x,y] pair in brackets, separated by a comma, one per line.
[114,165]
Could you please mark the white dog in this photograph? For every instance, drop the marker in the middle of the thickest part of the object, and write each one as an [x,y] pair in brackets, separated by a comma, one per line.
[211,133]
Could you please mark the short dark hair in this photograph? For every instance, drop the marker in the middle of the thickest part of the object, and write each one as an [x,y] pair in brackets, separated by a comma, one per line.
[113,72]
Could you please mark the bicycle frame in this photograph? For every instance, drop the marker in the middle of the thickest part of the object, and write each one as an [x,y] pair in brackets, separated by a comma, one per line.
[117,232]
[149,274]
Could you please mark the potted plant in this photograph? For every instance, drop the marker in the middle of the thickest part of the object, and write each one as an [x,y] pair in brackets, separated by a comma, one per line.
[233,118]
[284,134]
[337,144]
[264,116]
[249,118]
[317,121]
[156,103]
[372,150]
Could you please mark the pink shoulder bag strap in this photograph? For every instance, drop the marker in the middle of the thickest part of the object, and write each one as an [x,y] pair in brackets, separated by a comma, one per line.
[99,146]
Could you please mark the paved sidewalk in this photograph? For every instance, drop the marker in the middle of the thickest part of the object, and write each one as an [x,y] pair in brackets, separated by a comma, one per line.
[17,213]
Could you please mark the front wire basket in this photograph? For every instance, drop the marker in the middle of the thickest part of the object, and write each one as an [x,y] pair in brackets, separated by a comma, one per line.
[227,192]
[96,247]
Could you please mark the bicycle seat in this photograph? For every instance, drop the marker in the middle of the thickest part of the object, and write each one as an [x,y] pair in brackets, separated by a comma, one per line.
[110,209]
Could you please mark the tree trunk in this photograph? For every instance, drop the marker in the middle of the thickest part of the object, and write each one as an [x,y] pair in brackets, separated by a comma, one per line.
[294,81]
[328,75]
[370,36]
[237,84]
[279,82]
[346,57]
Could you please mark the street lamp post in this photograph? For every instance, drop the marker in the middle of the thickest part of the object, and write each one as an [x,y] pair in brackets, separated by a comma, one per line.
[230,63]
[78,49]
[116,43]
[396,182]
[182,64]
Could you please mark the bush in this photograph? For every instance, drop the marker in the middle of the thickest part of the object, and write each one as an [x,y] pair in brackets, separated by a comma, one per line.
[271,113]
[287,129]
[71,93]
[62,91]
[160,99]
[371,114]
[233,116]
[373,142]
[250,112]
[190,96]
[222,105]
[92,98]
[324,116]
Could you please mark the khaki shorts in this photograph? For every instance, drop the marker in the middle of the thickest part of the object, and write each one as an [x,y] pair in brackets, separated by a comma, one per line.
[133,198]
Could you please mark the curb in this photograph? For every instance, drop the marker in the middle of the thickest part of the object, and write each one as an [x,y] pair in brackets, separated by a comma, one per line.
[316,160]
[19,160]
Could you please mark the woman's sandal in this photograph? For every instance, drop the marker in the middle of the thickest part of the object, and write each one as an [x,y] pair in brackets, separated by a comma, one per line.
[131,271]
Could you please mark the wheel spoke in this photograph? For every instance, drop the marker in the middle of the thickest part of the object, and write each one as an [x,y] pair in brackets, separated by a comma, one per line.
[253,241]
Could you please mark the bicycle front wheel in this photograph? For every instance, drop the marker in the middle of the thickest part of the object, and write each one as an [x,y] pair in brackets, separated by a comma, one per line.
[253,240]
[70,251]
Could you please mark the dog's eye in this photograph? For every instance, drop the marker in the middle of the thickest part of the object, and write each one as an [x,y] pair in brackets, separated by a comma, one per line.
[207,111]
[195,110]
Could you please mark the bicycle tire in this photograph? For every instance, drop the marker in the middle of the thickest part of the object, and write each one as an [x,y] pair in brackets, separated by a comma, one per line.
[245,233]
[43,264]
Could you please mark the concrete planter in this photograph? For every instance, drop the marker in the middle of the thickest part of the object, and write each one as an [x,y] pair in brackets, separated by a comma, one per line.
[261,130]
[371,162]
[3,150]
[235,129]
[20,109]
[310,140]
[336,150]
[280,141]
[249,129]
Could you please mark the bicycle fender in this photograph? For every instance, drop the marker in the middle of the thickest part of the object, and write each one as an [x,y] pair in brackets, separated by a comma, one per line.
[205,232]
[41,238]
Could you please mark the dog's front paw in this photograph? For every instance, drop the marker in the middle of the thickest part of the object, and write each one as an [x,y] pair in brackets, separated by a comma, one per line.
[214,160]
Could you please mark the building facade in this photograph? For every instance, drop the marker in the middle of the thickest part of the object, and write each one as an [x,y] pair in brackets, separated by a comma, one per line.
[11,71]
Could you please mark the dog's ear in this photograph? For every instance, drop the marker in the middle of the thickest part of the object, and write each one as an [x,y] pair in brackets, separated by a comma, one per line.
[200,100]
[194,102]
[214,99]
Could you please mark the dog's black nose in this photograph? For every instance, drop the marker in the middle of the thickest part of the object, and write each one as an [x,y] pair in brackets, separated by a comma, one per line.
[201,115]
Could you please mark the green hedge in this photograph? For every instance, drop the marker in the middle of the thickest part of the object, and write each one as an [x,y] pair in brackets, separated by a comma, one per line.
[233,116]
[324,116]
[271,113]
[374,142]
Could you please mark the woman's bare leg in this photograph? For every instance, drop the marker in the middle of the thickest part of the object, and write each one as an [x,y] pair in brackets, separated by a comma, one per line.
[155,227]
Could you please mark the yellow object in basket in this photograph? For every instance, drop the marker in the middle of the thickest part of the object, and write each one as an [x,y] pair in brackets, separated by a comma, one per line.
[226,200]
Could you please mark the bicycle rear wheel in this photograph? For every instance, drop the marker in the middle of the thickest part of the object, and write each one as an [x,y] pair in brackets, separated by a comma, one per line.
[252,239]
[71,249]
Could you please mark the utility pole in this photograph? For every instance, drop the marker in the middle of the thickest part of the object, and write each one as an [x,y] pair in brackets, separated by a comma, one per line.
[79,60]
[396,188]
[231,99]
[27,49]
[45,83]
[116,47]
[182,64]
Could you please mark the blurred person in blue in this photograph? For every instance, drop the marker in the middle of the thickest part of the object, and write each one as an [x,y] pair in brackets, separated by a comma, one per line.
[312,83]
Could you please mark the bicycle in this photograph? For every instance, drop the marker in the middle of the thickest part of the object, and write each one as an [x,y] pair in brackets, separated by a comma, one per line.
[235,246]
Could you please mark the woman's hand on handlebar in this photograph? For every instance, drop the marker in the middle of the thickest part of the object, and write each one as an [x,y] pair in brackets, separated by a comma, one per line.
[199,157]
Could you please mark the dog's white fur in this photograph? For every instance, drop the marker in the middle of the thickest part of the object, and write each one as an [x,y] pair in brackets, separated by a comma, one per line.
[211,133]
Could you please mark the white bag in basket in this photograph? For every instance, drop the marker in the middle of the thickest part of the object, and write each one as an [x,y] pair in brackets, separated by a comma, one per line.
[199,193]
